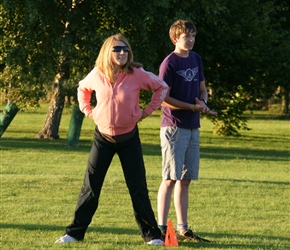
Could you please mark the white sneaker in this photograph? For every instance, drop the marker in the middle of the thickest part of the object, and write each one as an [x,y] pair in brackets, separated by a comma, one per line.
[65,239]
[155,242]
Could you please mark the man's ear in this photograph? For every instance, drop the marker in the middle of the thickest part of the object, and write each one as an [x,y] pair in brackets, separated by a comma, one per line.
[174,39]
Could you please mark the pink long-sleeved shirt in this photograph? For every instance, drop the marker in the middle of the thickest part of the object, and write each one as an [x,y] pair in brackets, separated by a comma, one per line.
[117,110]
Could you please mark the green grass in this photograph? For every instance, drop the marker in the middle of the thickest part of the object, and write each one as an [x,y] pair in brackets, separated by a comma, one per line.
[241,200]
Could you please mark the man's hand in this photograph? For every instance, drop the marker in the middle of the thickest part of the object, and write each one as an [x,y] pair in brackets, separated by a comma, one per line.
[202,107]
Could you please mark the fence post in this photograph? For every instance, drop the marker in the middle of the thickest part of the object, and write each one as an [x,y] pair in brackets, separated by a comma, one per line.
[75,126]
[7,115]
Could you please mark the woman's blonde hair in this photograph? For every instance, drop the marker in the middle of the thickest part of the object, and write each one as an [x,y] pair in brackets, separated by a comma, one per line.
[104,61]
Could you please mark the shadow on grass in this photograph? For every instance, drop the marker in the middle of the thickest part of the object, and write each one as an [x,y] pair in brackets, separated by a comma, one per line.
[267,117]
[218,242]
[219,153]
[57,145]
[246,181]
[216,238]
[207,152]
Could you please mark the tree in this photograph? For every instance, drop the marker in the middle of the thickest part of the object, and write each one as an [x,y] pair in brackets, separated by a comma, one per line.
[63,45]
[239,38]
[41,50]
[281,53]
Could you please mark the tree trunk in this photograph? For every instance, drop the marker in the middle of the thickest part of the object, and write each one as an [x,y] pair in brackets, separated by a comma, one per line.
[52,122]
[75,126]
[8,114]
[285,102]
[53,117]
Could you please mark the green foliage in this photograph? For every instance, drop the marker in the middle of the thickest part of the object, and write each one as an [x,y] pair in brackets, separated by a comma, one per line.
[231,118]
[26,92]
[242,43]
[236,40]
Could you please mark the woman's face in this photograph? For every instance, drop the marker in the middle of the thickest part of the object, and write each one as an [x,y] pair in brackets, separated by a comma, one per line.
[120,53]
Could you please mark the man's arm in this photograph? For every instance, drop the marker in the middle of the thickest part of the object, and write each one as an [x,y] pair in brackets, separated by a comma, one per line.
[203,92]
[203,95]
[173,103]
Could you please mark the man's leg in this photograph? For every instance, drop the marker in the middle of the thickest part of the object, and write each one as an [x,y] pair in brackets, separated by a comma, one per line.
[164,200]
[181,200]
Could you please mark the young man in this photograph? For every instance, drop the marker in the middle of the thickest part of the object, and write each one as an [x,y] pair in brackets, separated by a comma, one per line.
[187,96]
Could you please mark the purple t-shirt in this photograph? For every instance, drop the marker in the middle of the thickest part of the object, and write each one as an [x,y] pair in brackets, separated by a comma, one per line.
[183,76]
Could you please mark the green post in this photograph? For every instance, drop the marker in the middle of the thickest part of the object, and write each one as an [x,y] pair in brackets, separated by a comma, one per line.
[75,126]
[7,116]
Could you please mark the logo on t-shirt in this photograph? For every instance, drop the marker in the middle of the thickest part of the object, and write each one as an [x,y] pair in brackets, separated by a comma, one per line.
[188,74]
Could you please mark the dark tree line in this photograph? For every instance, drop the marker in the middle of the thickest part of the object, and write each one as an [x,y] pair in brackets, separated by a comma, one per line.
[48,46]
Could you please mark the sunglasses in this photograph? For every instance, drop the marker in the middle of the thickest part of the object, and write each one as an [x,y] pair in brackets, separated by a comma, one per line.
[119,48]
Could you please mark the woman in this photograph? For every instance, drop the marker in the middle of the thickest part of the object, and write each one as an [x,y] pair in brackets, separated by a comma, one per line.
[117,81]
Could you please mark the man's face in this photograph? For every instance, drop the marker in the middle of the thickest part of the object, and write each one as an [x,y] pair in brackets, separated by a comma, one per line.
[185,41]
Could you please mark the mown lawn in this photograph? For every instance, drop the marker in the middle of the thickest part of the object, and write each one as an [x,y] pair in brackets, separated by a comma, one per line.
[241,200]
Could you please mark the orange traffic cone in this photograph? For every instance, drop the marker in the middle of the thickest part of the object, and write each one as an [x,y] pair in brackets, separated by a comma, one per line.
[170,237]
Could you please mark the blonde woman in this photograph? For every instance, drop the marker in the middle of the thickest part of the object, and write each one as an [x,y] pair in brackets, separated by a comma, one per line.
[117,81]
